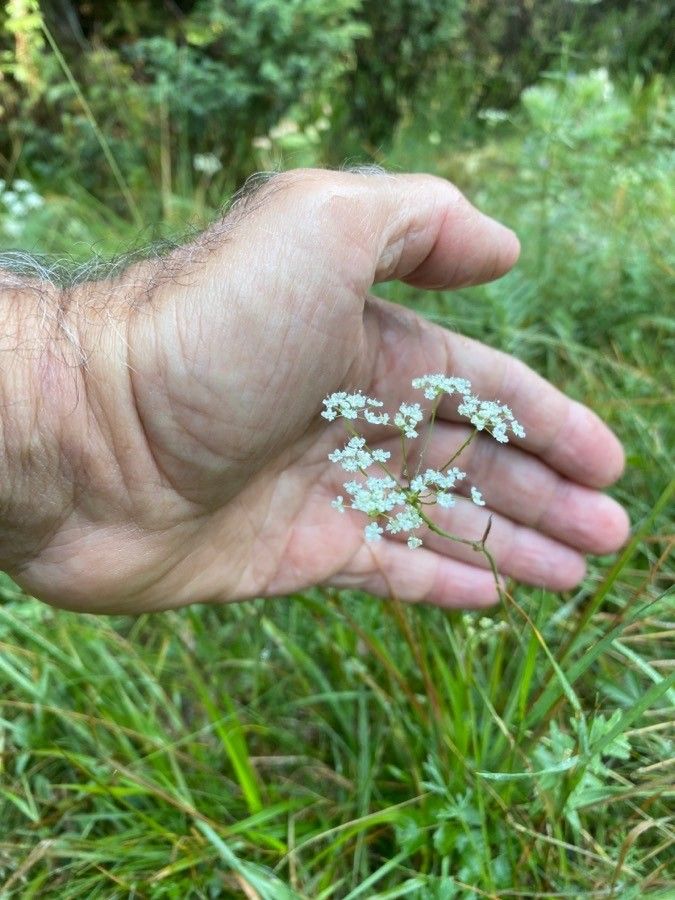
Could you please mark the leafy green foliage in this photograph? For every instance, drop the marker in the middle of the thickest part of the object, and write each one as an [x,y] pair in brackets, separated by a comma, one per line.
[406,44]
[244,67]
[227,73]
[509,44]
[157,84]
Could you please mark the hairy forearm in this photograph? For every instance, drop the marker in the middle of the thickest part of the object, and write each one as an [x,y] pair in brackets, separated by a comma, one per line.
[38,377]
[57,390]
[75,451]
[74,456]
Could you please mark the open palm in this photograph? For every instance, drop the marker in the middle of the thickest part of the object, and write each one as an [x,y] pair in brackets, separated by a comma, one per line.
[206,475]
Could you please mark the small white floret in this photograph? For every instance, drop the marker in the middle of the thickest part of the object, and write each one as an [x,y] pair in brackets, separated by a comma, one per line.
[477,497]
[373,532]
[414,542]
[376,418]
[380,456]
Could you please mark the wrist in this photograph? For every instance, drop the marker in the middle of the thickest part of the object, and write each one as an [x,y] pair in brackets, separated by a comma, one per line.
[38,393]
[78,487]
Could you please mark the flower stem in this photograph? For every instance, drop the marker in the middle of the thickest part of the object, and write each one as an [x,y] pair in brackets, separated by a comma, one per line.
[432,420]
[404,452]
[478,546]
[458,451]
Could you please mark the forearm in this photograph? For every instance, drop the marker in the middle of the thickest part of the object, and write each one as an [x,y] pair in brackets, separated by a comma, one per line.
[37,382]
[78,486]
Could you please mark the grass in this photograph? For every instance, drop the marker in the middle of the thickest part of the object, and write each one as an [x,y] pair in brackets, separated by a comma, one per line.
[337,746]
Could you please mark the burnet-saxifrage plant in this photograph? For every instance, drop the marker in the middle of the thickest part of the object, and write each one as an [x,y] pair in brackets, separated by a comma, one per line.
[400,504]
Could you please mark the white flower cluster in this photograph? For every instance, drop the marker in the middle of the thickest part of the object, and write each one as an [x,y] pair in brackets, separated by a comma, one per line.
[435,385]
[373,417]
[348,406]
[356,456]
[432,478]
[437,485]
[375,496]
[408,417]
[490,416]
[485,415]
[378,498]
[384,499]
[406,520]
[484,628]
[394,507]
[18,201]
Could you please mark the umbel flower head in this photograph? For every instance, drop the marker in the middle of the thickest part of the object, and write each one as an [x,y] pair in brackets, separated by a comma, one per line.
[397,505]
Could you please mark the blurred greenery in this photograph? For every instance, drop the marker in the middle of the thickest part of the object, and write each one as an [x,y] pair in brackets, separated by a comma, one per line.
[333,745]
[160,83]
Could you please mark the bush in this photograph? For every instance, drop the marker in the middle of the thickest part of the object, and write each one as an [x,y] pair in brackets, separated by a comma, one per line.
[209,84]
[406,44]
[108,95]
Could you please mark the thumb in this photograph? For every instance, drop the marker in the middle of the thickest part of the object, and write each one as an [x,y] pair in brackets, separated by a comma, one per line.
[431,236]
[416,228]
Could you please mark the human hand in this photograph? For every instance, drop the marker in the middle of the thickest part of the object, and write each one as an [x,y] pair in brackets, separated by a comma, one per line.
[190,461]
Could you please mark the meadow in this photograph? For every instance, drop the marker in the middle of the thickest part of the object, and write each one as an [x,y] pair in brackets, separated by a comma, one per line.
[332,745]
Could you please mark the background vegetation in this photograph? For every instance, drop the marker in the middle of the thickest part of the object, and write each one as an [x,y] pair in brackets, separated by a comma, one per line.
[335,745]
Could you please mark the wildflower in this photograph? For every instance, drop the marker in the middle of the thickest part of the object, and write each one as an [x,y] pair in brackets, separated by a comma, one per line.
[375,496]
[406,520]
[20,199]
[376,418]
[31,200]
[468,622]
[408,416]
[395,507]
[343,404]
[356,457]
[13,202]
[477,497]
[435,385]
[491,416]
[434,478]
[438,484]
[207,163]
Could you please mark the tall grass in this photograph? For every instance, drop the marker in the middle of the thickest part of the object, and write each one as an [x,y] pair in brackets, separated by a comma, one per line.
[333,745]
